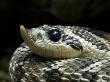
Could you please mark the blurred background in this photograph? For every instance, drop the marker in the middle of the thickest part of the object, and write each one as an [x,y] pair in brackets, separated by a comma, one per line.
[32,13]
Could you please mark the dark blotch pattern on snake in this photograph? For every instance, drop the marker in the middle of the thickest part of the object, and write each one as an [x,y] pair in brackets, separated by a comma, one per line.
[50,59]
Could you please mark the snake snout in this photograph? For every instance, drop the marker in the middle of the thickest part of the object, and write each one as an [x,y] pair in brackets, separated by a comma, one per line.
[51,46]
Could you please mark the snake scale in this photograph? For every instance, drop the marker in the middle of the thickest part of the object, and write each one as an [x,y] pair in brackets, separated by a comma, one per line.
[60,54]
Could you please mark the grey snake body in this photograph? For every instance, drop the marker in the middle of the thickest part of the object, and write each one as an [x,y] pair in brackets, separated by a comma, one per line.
[26,66]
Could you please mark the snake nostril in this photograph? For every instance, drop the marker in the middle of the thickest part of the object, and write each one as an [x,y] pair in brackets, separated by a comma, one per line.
[54,35]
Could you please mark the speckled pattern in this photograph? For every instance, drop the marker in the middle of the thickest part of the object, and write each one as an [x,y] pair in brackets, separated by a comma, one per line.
[27,67]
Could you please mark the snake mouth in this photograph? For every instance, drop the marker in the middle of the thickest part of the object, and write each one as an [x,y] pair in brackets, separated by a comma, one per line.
[50,51]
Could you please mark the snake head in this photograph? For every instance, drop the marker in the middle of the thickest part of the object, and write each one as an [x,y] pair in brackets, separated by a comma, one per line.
[49,42]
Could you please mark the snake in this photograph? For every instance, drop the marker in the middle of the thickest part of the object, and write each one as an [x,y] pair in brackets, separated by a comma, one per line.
[56,53]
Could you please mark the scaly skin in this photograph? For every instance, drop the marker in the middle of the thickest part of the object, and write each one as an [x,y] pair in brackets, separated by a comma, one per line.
[25,66]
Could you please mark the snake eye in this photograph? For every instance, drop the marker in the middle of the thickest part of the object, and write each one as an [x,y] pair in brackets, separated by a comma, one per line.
[54,35]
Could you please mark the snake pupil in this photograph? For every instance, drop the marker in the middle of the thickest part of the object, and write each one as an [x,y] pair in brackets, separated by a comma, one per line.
[54,35]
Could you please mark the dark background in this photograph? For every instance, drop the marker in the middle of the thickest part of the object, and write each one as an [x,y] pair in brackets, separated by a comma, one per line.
[32,13]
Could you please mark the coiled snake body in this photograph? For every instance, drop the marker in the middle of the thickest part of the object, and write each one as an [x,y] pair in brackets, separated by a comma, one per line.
[60,54]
